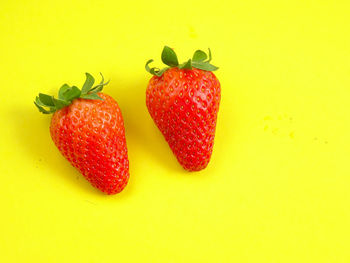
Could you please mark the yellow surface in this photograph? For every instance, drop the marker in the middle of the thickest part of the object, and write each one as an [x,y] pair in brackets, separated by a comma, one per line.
[277,187]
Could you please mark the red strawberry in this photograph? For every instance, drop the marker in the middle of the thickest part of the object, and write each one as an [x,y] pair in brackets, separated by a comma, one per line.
[88,129]
[183,101]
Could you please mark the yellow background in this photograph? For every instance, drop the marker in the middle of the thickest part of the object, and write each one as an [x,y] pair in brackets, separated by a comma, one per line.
[277,187]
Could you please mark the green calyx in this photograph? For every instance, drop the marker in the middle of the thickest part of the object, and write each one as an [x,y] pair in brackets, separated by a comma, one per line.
[199,60]
[49,104]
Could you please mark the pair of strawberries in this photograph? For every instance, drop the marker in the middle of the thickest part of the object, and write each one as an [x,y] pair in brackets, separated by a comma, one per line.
[88,129]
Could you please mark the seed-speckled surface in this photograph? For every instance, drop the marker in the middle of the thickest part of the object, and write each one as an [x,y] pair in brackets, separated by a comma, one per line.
[184,105]
[90,134]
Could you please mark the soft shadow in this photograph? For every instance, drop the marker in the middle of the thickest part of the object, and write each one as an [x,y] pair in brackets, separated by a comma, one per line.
[142,135]
[225,136]
[33,134]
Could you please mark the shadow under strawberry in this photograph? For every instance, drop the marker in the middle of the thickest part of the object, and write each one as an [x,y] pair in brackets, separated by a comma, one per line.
[143,138]
[33,135]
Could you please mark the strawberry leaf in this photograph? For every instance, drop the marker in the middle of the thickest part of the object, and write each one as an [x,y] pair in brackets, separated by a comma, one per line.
[209,56]
[199,60]
[160,72]
[59,104]
[46,99]
[169,57]
[92,96]
[62,90]
[38,102]
[89,82]
[150,70]
[41,109]
[204,66]
[48,104]
[154,71]
[71,93]
[199,55]
[186,65]
[97,88]
[100,86]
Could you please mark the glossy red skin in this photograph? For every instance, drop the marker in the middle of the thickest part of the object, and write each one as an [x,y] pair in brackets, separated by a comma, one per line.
[184,105]
[90,134]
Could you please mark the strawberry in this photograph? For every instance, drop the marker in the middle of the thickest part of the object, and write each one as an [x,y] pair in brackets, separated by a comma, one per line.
[88,129]
[183,100]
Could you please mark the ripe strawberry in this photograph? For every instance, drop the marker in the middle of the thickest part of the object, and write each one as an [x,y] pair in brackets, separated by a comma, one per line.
[88,129]
[183,100]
